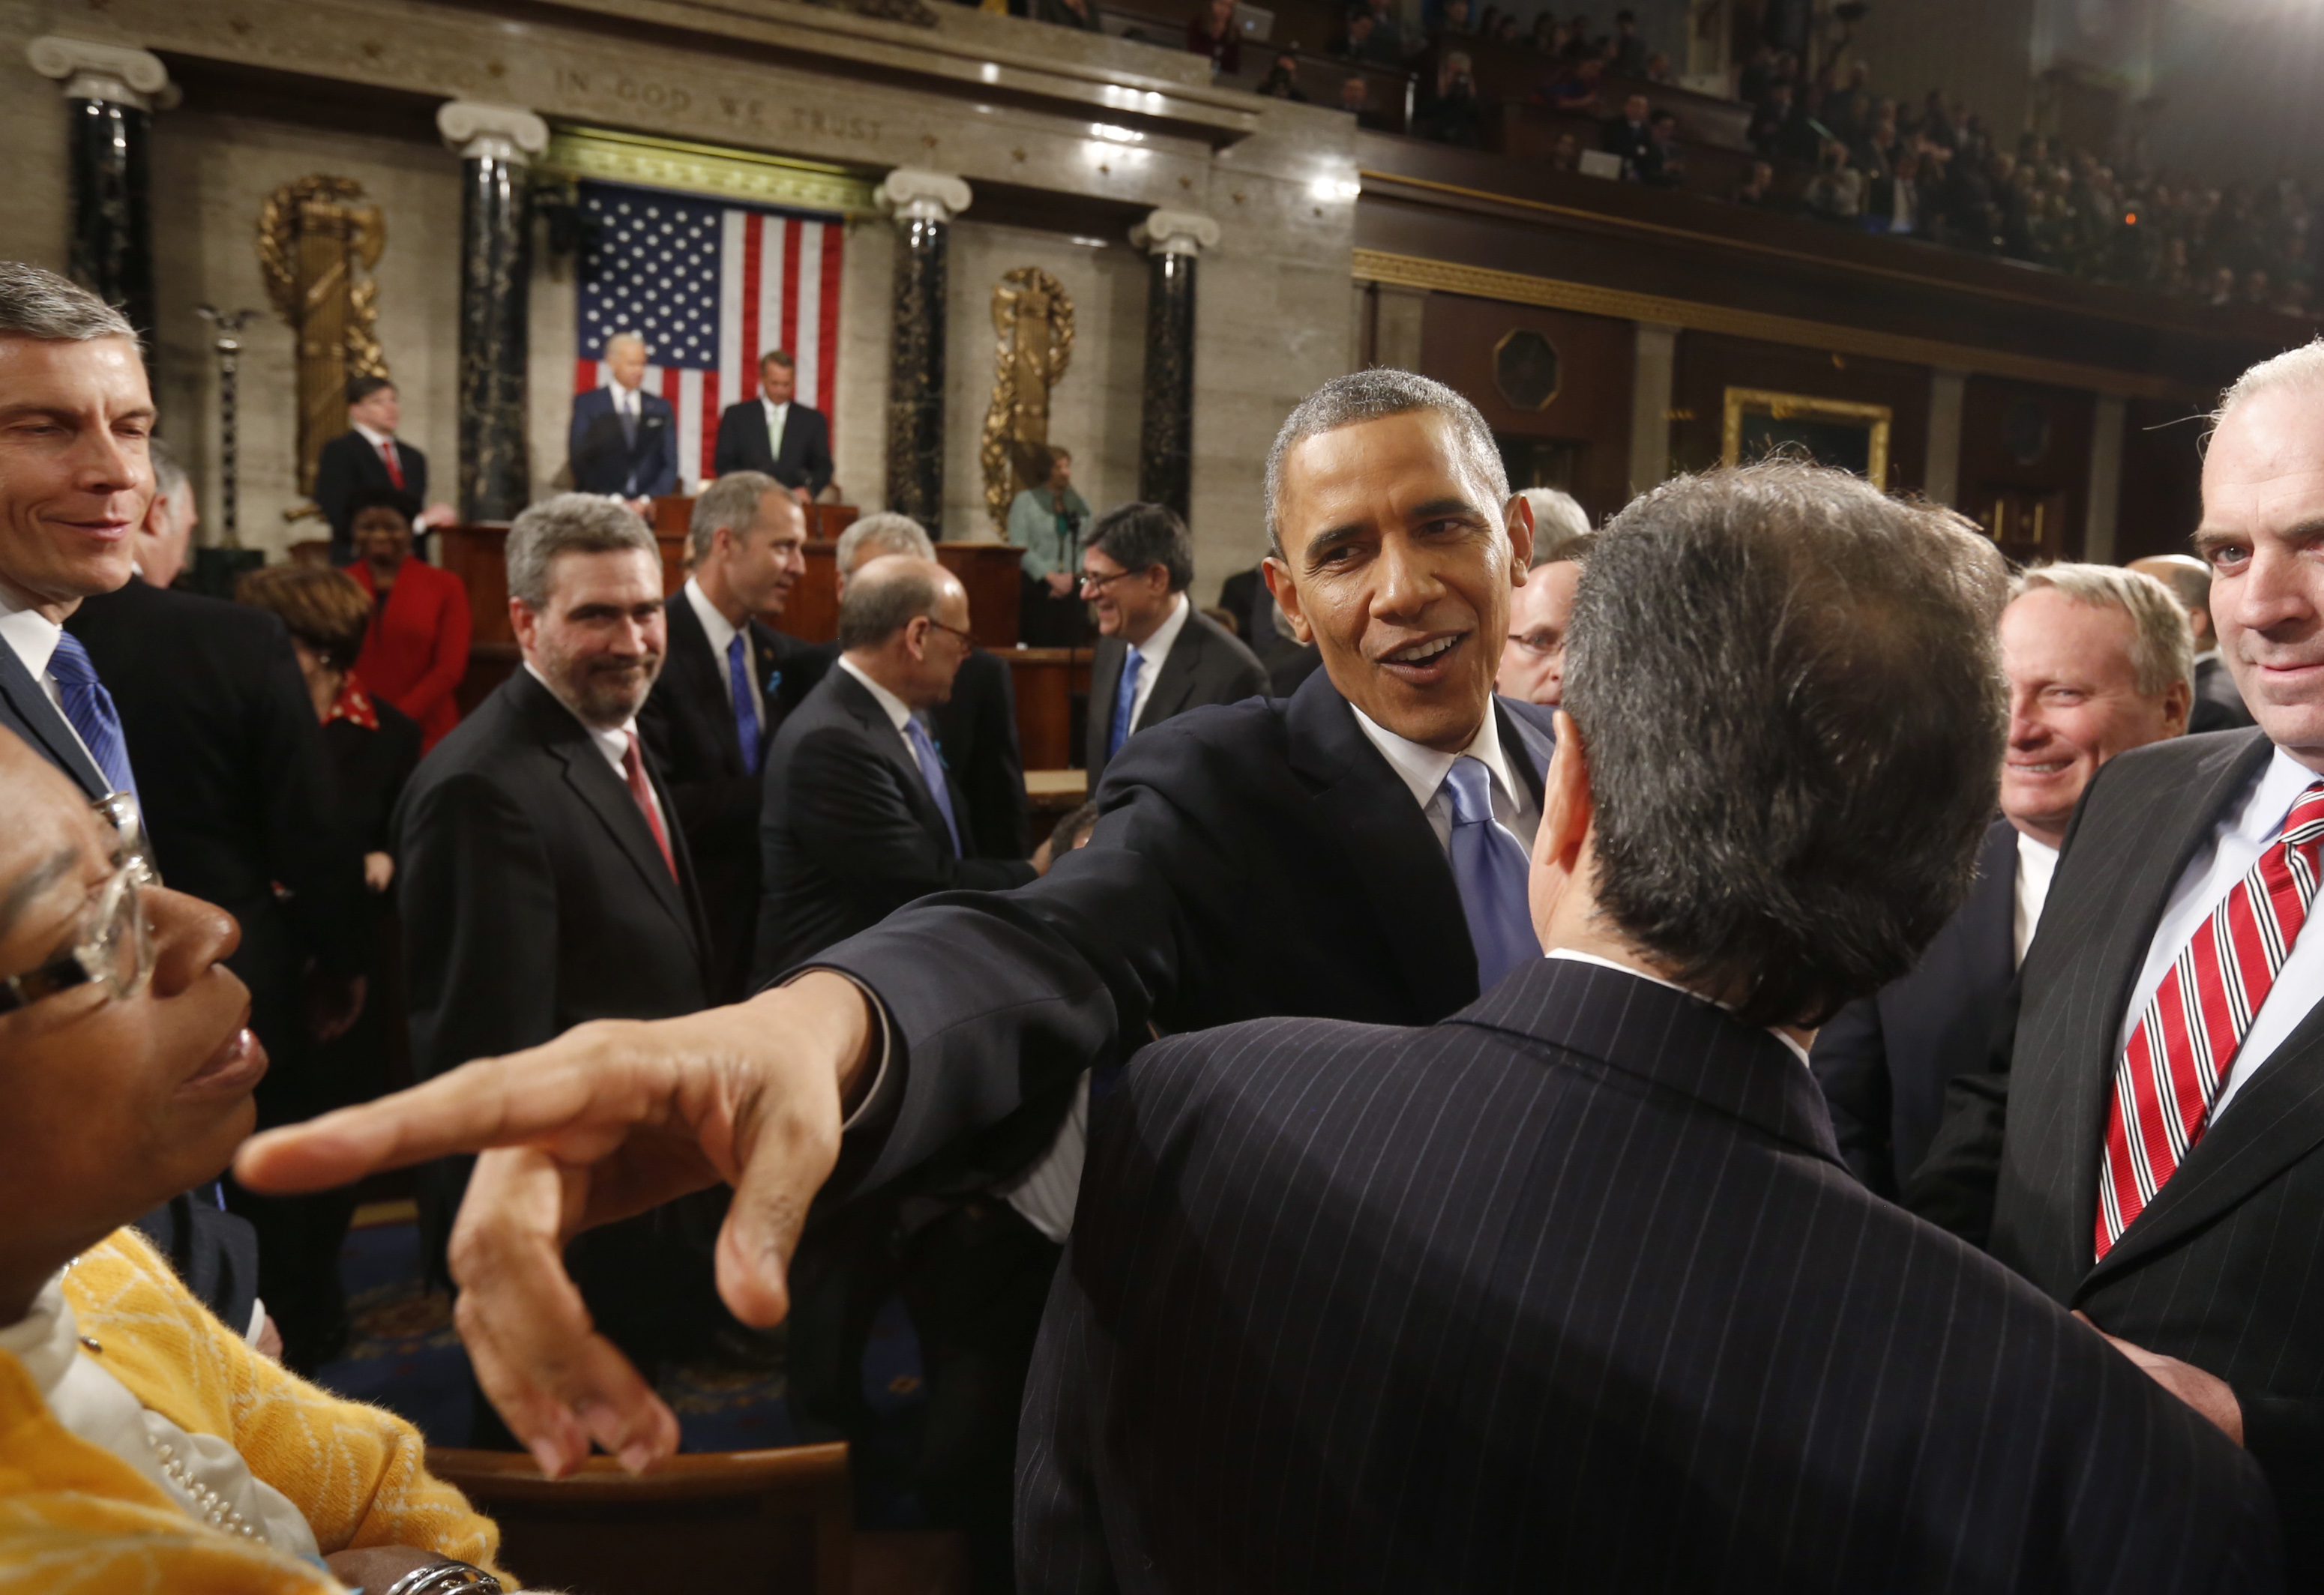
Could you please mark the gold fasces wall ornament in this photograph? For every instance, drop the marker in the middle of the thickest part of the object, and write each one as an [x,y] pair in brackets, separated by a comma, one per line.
[1034,316]
[1846,436]
[317,243]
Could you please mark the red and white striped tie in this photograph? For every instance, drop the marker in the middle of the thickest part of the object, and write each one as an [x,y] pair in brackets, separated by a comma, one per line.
[2185,1041]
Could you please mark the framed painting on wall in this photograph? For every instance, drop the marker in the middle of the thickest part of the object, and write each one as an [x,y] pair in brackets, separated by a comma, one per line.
[1832,432]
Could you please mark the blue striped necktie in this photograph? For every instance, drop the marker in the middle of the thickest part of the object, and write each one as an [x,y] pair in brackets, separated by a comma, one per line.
[88,707]
[1488,867]
[1125,701]
[746,703]
[931,763]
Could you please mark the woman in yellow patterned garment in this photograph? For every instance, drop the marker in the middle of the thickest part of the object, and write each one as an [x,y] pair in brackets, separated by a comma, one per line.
[144,1445]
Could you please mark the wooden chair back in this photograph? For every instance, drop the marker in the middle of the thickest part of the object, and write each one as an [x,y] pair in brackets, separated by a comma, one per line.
[741,1522]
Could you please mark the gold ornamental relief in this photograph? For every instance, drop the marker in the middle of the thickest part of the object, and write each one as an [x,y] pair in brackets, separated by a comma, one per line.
[317,242]
[1034,316]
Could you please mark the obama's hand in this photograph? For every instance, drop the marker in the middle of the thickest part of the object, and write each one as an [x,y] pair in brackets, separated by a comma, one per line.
[609,1120]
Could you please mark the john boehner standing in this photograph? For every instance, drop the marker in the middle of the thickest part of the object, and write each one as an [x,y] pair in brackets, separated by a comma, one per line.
[775,433]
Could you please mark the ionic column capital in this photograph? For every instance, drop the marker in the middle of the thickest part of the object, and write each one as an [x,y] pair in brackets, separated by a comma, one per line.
[911,194]
[478,130]
[91,70]
[1175,232]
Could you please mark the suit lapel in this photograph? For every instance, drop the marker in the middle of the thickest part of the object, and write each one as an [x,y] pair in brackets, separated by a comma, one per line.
[1528,741]
[1174,683]
[690,653]
[2184,823]
[593,781]
[1390,845]
[45,723]
[1106,683]
[859,702]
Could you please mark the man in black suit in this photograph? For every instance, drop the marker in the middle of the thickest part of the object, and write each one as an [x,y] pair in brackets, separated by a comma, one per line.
[2199,1252]
[369,454]
[69,516]
[1572,1290]
[242,807]
[726,685]
[624,439]
[546,883]
[1628,137]
[2096,661]
[861,814]
[1157,655]
[976,728]
[775,433]
[2219,703]
[941,1052]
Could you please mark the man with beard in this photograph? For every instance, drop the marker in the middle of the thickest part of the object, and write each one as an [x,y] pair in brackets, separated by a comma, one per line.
[546,879]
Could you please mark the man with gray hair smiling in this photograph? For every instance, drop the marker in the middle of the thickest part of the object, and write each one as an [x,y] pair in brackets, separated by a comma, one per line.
[545,881]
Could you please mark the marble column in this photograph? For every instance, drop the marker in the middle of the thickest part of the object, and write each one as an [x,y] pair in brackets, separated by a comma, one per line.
[1165,431]
[496,143]
[109,96]
[923,204]
[1947,392]
[1653,372]
[2101,520]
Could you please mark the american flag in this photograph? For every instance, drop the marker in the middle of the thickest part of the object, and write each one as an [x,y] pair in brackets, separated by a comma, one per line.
[711,287]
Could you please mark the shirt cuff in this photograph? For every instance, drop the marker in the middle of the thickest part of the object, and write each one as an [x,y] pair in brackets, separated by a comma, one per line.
[257,1321]
[875,1101]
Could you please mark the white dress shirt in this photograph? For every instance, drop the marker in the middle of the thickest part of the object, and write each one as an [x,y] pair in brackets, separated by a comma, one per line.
[897,711]
[614,745]
[1152,653]
[1423,770]
[2246,828]
[2036,863]
[627,405]
[95,1407]
[777,414]
[33,637]
[722,638]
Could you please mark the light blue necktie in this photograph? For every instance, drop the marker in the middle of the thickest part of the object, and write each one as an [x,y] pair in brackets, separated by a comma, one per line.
[1488,867]
[746,705]
[1125,699]
[90,709]
[924,752]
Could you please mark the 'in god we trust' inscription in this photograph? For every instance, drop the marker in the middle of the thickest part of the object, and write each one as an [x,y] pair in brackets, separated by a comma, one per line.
[619,91]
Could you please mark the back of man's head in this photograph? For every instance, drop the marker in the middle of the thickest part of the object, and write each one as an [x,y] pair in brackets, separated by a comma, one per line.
[868,536]
[885,595]
[1557,517]
[1140,536]
[730,503]
[1793,710]
[2187,577]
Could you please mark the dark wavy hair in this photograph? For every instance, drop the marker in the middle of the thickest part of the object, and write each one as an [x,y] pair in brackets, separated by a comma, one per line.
[1791,701]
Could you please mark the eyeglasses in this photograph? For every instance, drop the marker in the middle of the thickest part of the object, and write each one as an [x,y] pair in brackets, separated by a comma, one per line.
[112,942]
[967,640]
[1539,644]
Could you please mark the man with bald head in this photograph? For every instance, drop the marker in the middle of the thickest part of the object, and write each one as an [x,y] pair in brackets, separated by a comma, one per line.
[2218,705]
[861,815]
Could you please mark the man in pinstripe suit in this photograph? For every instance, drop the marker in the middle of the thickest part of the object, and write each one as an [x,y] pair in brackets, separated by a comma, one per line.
[1572,1290]
[2150,1150]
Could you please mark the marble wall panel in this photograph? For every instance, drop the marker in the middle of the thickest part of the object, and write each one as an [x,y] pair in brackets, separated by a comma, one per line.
[211,173]
[34,221]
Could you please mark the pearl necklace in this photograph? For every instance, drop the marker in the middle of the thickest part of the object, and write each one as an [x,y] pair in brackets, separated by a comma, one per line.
[209,1505]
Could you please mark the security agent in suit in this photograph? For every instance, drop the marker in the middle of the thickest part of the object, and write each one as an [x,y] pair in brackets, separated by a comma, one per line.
[861,815]
[1381,814]
[1157,655]
[775,433]
[66,356]
[975,728]
[1571,1289]
[2096,662]
[369,454]
[624,439]
[2218,703]
[2202,1261]
[728,683]
[546,882]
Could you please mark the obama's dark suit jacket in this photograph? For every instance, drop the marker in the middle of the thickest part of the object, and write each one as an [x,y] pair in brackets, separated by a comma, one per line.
[1571,1291]
[1206,665]
[2220,1269]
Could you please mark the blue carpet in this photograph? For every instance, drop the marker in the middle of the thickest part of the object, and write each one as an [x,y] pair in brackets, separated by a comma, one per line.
[404,1355]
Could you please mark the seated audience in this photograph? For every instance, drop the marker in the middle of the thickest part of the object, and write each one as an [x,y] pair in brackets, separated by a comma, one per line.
[1626,136]
[1893,204]
[1348,1303]
[2140,1149]
[1213,32]
[1575,89]
[144,1445]
[1663,164]
[417,651]
[1532,660]
[1046,520]
[1629,60]
[2218,703]
[2097,664]
[1156,657]
[1836,192]
[1282,79]
[861,815]
[1659,70]
[1451,113]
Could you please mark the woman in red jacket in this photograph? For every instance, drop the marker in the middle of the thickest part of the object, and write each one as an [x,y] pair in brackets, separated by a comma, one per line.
[417,648]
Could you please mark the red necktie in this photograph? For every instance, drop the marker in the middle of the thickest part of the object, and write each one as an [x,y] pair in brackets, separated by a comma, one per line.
[641,794]
[394,465]
[2184,1043]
